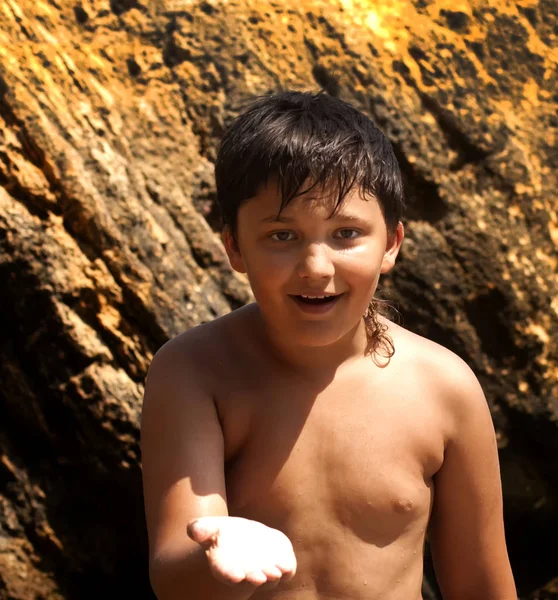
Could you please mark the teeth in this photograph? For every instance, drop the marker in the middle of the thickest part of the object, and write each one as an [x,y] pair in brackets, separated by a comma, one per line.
[314,297]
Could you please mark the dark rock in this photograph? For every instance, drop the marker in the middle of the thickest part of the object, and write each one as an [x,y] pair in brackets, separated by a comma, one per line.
[106,251]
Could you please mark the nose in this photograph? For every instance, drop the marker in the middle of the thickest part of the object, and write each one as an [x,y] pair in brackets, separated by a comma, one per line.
[315,262]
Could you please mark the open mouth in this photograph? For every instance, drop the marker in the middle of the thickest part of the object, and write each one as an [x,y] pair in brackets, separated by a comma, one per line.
[317,300]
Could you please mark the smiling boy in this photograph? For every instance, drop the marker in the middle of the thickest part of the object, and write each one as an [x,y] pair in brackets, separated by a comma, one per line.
[301,447]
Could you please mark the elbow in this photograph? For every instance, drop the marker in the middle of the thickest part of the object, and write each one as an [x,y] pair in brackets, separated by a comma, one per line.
[157,579]
[164,581]
[176,575]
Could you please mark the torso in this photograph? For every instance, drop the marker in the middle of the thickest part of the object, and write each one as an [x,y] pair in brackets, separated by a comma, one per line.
[343,466]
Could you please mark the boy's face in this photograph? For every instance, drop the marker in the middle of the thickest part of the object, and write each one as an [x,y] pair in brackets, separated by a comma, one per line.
[309,252]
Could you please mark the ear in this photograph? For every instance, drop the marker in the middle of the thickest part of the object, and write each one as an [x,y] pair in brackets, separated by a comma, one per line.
[232,250]
[392,248]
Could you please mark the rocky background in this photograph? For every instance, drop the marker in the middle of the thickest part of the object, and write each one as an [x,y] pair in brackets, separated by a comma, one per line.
[110,114]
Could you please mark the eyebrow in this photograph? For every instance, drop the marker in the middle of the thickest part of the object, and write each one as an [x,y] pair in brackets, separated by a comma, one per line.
[284,219]
[277,219]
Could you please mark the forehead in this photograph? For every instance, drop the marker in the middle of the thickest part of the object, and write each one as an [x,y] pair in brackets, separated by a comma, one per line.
[315,203]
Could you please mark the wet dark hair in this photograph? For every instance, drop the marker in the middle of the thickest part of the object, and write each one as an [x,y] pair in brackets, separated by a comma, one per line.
[298,137]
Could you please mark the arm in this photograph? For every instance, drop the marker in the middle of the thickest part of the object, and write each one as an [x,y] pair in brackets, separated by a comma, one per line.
[466,528]
[183,477]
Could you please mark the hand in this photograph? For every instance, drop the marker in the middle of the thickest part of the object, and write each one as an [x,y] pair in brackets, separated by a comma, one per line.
[241,550]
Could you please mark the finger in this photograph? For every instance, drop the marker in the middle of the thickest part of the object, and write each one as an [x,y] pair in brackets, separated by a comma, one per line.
[235,578]
[256,577]
[229,575]
[274,577]
[288,575]
[203,531]
[287,566]
[288,570]
[272,573]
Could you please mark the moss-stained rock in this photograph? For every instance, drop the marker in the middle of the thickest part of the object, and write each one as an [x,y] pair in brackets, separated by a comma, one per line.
[110,113]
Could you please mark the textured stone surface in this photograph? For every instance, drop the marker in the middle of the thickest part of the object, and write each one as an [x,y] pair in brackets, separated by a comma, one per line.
[110,112]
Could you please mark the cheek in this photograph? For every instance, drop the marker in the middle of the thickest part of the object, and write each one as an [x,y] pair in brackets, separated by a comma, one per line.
[361,265]
[268,269]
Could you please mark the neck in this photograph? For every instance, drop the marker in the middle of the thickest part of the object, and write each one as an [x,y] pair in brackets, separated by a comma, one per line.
[323,359]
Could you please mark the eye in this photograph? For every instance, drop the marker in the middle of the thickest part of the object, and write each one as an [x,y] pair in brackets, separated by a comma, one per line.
[281,236]
[348,234]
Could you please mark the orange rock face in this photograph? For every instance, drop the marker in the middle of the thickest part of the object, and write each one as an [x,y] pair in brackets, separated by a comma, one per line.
[110,114]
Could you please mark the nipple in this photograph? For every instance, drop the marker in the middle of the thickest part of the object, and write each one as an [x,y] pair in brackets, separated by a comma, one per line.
[403,505]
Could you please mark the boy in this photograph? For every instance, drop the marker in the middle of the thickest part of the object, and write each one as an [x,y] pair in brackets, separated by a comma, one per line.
[299,447]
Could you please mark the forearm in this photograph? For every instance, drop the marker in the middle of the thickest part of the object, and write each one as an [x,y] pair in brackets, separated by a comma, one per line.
[185,575]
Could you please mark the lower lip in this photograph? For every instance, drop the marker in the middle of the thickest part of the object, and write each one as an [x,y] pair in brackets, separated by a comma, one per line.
[316,309]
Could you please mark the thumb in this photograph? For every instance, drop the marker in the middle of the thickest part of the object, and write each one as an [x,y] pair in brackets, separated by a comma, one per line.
[204,531]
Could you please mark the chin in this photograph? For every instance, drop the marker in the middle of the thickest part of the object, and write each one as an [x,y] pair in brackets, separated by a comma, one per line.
[318,337]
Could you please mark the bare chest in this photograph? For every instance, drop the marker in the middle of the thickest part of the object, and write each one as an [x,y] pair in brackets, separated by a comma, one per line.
[354,457]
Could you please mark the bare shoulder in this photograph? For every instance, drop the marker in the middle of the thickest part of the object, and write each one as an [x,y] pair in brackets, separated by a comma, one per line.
[186,371]
[437,359]
[198,351]
[446,375]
